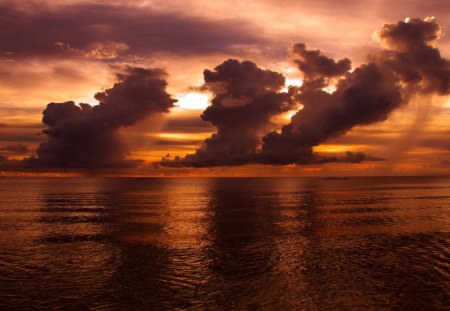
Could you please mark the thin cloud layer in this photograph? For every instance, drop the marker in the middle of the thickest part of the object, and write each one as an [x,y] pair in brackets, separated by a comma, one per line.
[85,136]
[15,149]
[189,125]
[409,64]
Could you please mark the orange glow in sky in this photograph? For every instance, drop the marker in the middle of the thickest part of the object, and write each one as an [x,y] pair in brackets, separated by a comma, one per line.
[74,49]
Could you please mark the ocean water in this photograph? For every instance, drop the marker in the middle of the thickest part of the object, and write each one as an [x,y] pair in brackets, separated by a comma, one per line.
[379,243]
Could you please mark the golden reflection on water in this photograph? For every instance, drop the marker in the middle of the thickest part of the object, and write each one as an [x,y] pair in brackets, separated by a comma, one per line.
[271,243]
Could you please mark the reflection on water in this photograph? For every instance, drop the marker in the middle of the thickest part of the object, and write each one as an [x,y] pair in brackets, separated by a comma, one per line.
[211,243]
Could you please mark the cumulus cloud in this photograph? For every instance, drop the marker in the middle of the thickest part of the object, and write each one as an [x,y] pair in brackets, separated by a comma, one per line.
[246,97]
[365,96]
[85,136]
[316,67]
[410,52]
[408,64]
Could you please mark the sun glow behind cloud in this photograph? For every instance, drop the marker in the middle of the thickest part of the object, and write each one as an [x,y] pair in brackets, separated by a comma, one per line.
[31,83]
[193,101]
[447,104]
[291,82]
[87,100]
[329,89]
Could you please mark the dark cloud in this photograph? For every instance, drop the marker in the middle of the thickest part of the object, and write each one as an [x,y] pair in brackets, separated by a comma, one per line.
[84,136]
[437,142]
[13,137]
[109,31]
[316,67]
[350,157]
[318,70]
[187,125]
[411,35]
[16,149]
[19,133]
[7,164]
[409,64]
[245,99]
[365,96]
[411,53]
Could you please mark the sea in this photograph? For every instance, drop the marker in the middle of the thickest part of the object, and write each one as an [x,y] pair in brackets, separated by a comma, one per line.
[363,243]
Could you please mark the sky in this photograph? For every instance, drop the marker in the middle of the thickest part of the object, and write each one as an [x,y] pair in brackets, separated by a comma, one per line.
[225,88]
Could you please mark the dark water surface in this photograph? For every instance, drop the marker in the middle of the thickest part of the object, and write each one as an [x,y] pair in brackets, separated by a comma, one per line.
[225,243]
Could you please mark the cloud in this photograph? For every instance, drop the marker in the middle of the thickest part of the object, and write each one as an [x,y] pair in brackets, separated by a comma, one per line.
[190,124]
[410,51]
[16,149]
[103,31]
[437,141]
[18,133]
[317,67]
[409,64]
[246,97]
[349,157]
[97,50]
[85,136]
[365,96]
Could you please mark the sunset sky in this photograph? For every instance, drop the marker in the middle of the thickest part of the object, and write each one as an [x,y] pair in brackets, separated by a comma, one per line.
[368,80]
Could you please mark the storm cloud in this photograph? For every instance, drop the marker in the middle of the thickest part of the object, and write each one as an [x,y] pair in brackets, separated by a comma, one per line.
[85,136]
[246,97]
[408,64]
